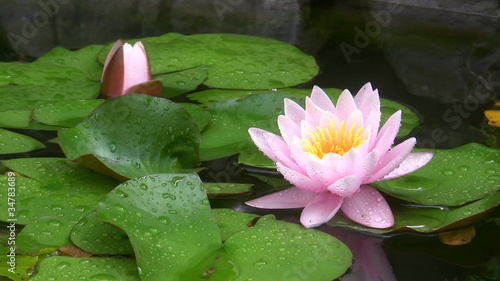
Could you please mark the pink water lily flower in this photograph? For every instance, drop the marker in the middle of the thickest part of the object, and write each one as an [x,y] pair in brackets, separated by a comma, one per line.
[127,71]
[330,153]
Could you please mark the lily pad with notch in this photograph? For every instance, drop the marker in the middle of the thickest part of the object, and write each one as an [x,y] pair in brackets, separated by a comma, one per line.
[165,214]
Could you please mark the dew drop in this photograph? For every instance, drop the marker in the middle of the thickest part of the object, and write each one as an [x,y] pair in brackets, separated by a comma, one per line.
[112,147]
[120,208]
[63,265]
[164,220]
[447,172]
[53,223]
[167,195]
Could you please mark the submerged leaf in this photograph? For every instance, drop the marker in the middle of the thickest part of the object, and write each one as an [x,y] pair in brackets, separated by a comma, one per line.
[458,237]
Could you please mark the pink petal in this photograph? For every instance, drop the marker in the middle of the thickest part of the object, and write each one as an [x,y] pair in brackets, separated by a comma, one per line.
[368,207]
[313,112]
[367,165]
[113,78]
[111,53]
[413,162]
[320,209]
[321,99]
[136,65]
[365,90]
[280,150]
[346,186]
[385,141]
[285,199]
[294,111]
[345,105]
[367,99]
[258,138]
[328,117]
[300,180]
[392,159]
[322,170]
[349,162]
[372,120]
[306,129]
[298,154]
[355,117]
[393,124]
[288,128]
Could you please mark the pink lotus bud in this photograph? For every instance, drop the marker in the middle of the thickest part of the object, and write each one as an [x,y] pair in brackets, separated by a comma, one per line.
[127,71]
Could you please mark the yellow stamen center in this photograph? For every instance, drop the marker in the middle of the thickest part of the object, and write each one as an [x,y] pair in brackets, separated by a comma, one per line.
[333,140]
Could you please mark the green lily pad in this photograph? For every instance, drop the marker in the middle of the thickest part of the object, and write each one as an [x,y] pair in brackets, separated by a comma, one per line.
[252,156]
[213,96]
[429,219]
[227,134]
[18,101]
[84,59]
[272,250]
[11,142]
[52,187]
[178,83]
[226,189]
[453,177]
[67,268]
[55,76]
[39,73]
[232,61]
[170,226]
[168,220]
[51,196]
[199,114]
[67,113]
[231,222]
[21,119]
[45,232]
[136,135]
[277,182]
[94,236]
[16,97]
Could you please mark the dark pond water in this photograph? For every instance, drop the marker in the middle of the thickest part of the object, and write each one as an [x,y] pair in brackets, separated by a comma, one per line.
[441,58]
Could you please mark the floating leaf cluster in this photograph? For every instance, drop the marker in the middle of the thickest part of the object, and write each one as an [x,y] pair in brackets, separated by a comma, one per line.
[127,190]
